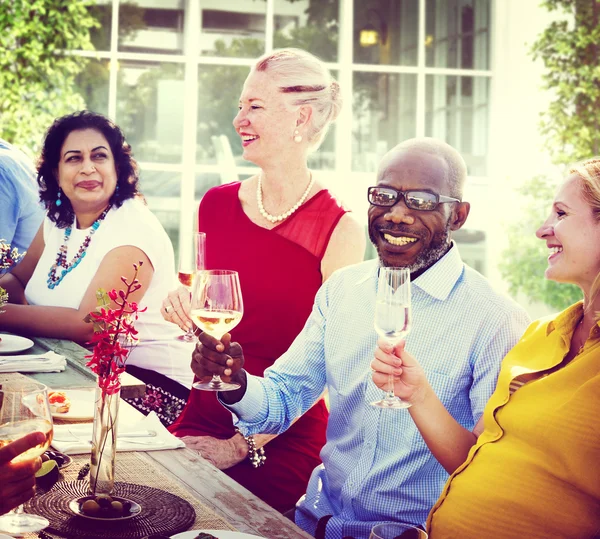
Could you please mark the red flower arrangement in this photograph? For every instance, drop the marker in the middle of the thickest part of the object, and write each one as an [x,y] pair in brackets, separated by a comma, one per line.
[115,335]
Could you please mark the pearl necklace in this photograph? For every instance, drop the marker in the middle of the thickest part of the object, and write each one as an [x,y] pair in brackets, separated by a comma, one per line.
[277,218]
[54,277]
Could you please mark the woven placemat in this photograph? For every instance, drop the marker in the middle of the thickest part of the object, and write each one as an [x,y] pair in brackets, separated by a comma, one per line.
[162,512]
[131,467]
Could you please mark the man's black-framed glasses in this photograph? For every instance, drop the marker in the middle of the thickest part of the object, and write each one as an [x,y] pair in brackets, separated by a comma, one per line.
[386,197]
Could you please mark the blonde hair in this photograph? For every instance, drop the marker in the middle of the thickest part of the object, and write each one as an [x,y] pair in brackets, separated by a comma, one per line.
[589,174]
[306,81]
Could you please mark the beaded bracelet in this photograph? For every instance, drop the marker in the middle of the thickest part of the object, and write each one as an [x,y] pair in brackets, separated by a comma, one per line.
[256,455]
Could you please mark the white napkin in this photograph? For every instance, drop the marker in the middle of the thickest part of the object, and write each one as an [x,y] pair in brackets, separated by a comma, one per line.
[48,362]
[76,438]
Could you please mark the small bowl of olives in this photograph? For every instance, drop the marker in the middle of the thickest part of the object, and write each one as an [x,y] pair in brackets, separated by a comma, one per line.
[105,507]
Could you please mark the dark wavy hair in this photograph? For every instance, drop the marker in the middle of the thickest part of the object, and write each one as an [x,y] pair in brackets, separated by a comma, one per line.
[125,164]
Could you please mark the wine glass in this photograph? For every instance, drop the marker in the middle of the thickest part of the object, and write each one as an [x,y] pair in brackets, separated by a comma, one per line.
[189,264]
[24,409]
[217,308]
[396,530]
[392,319]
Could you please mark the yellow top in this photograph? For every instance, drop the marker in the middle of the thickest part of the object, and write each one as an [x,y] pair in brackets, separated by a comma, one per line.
[535,470]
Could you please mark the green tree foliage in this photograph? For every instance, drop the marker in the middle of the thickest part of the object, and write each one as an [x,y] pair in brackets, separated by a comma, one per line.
[36,77]
[570,51]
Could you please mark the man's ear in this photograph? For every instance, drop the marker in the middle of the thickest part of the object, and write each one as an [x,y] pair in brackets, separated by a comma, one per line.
[459,215]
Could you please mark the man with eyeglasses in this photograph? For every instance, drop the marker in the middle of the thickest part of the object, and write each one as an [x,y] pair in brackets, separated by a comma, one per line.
[376,466]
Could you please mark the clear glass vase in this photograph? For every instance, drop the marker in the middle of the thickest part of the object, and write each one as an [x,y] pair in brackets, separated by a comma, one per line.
[104,442]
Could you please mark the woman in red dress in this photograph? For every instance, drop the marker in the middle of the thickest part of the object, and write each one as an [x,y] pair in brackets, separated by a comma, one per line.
[285,234]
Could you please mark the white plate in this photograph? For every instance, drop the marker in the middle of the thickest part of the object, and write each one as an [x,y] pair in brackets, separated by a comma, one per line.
[14,343]
[82,405]
[219,534]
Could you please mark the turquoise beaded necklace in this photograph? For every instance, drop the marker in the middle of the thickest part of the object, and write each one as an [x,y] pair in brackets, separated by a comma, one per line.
[56,275]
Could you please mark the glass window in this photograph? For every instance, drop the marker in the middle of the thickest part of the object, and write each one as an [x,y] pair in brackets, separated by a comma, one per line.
[386,32]
[219,89]
[100,36]
[232,31]
[457,33]
[457,112]
[309,25]
[383,115]
[150,109]
[92,84]
[150,26]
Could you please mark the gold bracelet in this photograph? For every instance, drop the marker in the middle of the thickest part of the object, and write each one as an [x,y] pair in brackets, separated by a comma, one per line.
[256,455]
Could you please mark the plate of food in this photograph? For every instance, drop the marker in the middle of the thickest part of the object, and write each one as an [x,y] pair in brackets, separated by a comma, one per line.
[214,534]
[9,344]
[71,405]
[104,507]
[62,460]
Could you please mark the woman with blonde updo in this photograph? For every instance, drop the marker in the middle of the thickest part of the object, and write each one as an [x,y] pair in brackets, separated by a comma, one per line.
[285,233]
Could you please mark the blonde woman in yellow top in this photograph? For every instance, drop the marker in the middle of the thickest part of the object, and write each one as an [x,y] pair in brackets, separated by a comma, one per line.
[531,466]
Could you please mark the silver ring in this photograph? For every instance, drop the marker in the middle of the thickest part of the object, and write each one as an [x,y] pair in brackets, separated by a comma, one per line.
[168,309]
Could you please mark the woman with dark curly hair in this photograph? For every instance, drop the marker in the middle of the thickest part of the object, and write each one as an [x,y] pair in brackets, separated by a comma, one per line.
[97,226]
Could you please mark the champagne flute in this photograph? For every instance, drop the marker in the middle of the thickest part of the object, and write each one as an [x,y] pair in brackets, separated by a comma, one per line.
[188,267]
[396,530]
[217,308]
[24,409]
[392,319]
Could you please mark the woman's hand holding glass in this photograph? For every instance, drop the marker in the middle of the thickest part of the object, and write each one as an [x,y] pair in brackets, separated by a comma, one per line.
[393,364]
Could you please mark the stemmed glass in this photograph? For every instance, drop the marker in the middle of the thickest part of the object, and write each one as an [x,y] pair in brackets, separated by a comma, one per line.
[392,319]
[188,266]
[24,409]
[396,530]
[217,308]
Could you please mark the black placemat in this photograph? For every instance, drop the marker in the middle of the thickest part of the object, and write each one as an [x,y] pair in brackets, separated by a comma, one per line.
[162,512]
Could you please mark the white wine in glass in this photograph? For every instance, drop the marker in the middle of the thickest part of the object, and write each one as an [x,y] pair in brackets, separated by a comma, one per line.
[217,307]
[24,409]
[392,319]
[189,264]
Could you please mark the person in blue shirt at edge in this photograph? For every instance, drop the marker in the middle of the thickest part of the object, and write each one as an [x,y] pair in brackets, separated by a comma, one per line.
[20,211]
[376,466]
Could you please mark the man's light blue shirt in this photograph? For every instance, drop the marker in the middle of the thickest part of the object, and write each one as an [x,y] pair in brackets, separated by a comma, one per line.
[20,211]
[376,466]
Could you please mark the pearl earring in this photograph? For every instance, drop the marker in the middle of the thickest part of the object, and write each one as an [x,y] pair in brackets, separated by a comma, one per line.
[297,136]
[58,200]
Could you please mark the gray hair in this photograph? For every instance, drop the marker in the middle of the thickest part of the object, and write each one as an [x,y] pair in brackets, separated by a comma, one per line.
[306,80]
[456,163]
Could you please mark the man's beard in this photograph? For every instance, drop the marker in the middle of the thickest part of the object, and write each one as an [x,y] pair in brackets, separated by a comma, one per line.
[440,244]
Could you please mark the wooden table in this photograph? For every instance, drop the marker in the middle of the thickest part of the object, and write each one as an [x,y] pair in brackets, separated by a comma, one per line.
[76,375]
[196,476]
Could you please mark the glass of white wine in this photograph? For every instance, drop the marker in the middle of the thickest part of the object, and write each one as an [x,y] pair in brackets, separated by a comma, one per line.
[396,530]
[189,264]
[392,319]
[24,409]
[217,307]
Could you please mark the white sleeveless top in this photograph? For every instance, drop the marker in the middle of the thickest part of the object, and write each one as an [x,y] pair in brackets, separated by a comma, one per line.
[131,224]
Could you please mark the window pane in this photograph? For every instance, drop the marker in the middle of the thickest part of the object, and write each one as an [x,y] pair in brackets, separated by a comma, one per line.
[233,32]
[150,26]
[386,32]
[92,84]
[384,115]
[206,180]
[219,89]
[457,112]
[162,190]
[150,109]
[308,24]
[100,36]
[458,33]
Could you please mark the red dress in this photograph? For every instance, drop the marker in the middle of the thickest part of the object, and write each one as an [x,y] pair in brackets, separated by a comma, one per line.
[280,273]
